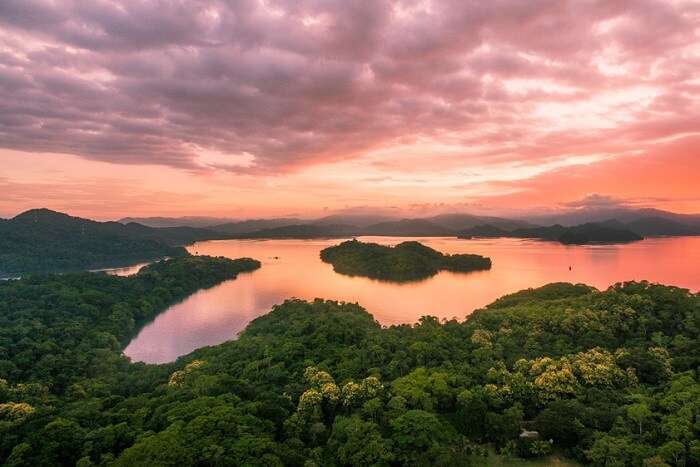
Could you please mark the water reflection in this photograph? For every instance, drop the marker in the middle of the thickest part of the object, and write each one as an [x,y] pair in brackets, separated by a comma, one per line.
[292,268]
[123,271]
[120,271]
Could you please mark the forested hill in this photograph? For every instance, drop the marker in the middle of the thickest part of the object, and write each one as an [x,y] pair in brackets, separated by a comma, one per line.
[42,240]
[407,261]
[583,234]
[610,377]
[55,328]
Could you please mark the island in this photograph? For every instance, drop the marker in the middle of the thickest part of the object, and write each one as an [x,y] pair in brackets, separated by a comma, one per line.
[407,261]
[583,234]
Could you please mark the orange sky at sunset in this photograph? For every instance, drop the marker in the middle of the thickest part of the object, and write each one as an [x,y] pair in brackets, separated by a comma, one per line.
[270,108]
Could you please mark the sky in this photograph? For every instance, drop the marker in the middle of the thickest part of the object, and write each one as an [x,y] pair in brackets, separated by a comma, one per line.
[259,108]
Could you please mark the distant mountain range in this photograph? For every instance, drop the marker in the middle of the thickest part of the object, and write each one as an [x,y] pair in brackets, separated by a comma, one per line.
[338,225]
[302,231]
[654,226]
[647,217]
[187,221]
[591,232]
[254,225]
[643,222]
[344,226]
[42,240]
[458,222]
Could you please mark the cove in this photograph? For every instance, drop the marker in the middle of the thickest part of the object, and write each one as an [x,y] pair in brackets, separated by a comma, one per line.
[292,268]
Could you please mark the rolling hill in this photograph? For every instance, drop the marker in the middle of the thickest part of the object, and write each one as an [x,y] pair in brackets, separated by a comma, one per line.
[458,222]
[185,221]
[592,232]
[644,222]
[254,225]
[302,231]
[41,240]
[408,228]
[407,261]
[624,215]
[655,226]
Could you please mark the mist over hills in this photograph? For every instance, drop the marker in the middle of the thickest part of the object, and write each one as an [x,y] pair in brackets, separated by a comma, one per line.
[185,221]
[359,224]
[409,228]
[621,214]
[43,240]
[644,222]
[357,220]
[356,225]
[582,234]
[464,221]
[254,225]
[656,226]
[303,231]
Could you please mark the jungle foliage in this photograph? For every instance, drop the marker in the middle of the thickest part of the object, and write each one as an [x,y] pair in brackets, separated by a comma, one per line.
[41,240]
[608,378]
[407,261]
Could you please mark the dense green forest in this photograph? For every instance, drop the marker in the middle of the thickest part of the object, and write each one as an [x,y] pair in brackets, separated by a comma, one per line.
[608,378]
[41,240]
[598,233]
[592,232]
[406,261]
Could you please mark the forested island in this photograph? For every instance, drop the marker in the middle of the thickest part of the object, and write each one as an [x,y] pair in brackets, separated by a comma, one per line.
[608,378]
[406,261]
[41,240]
[583,234]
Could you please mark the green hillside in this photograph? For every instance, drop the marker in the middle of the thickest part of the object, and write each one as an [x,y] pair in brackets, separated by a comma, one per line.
[404,262]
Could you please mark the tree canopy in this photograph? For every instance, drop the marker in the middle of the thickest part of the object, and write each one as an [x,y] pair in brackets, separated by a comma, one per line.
[406,261]
[41,240]
[608,378]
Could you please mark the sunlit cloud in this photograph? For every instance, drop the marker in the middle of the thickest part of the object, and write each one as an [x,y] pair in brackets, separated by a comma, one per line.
[354,103]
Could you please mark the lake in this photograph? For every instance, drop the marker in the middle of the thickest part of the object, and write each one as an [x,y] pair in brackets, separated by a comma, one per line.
[122,271]
[292,268]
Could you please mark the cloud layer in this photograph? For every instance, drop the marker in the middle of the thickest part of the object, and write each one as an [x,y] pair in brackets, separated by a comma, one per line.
[493,91]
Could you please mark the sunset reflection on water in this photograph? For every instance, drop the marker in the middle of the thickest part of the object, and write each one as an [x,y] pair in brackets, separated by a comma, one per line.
[292,268]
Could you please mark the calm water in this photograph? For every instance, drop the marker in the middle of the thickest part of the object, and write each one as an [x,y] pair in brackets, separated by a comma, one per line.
[212,316]
[123,271]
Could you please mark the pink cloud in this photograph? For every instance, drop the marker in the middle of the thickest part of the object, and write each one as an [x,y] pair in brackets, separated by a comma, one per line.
[294,85]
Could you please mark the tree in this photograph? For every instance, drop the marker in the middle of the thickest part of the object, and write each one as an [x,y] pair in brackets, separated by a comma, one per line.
[166,448]
[472,409]
[672,451]
[424,389]
[415,433]
[655,461]
[61,442]
[20,456]
[554,379]
[562,422]
[502,427]
[617,450]
[639,413]
[356,442]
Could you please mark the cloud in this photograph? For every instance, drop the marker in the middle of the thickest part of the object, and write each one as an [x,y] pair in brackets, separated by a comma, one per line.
[597,201]
[663,176]
[301,83]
